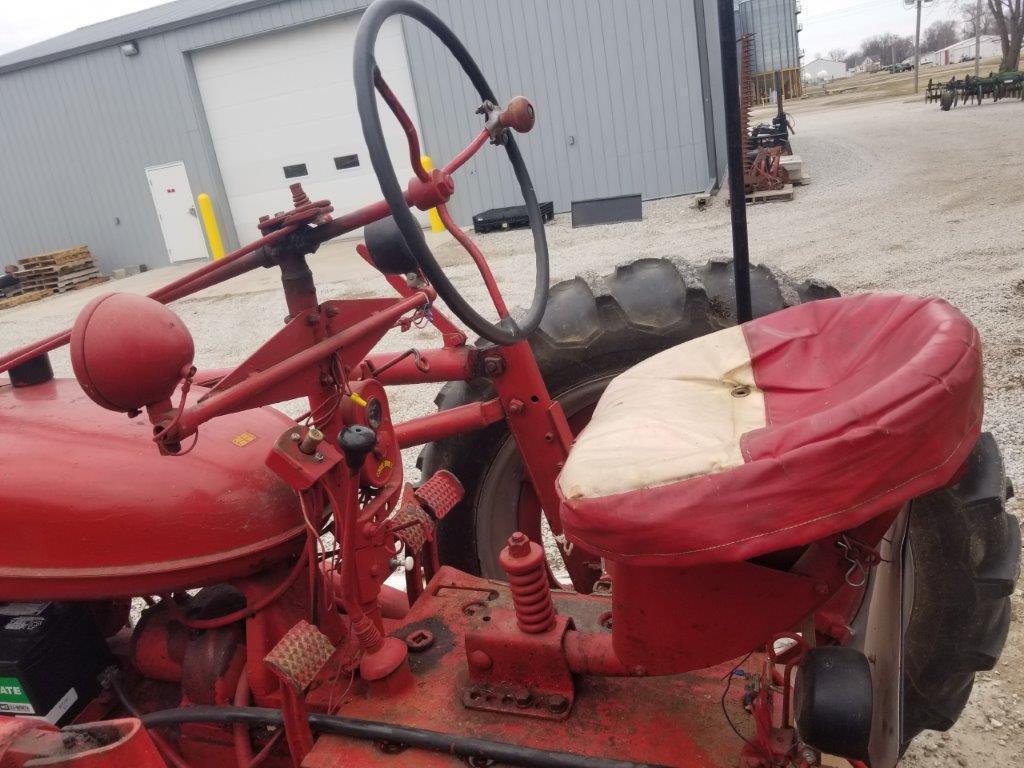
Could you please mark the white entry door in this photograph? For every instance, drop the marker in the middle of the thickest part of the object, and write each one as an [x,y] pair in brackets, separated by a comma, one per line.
[176,209]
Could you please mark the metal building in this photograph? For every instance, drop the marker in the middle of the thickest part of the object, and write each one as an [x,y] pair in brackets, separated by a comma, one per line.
[108,133]
[776,29]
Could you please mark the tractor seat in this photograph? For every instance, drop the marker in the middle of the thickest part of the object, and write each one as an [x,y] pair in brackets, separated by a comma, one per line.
[795,426]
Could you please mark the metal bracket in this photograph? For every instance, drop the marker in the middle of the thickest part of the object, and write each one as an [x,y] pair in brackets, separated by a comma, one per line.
[517,673]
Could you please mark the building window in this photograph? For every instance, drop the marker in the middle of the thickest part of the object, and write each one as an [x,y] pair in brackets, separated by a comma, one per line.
[294,171]
[346,161]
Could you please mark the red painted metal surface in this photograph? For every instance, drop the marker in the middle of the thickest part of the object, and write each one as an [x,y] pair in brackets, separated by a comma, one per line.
[124,743]
[122,520]
[120,330]
[668,721]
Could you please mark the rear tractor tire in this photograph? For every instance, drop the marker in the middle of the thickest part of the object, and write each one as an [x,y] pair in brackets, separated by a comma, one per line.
[965,560]
[594,328]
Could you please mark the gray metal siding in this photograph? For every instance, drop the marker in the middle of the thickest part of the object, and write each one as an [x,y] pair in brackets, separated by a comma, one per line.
[616,85]
[76,135]
[773,24]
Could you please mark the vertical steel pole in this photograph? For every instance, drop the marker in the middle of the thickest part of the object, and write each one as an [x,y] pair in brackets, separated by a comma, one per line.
[734,146]
[977,41]
[917,46]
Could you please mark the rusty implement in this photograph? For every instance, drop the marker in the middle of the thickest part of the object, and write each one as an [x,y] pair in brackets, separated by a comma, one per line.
[762,165]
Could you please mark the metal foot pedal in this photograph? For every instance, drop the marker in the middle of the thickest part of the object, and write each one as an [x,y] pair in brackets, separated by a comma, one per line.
[299,656]
[440,493]
[297,659]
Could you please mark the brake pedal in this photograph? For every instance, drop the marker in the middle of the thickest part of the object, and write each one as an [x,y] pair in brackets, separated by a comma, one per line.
[299,656]
[440,493]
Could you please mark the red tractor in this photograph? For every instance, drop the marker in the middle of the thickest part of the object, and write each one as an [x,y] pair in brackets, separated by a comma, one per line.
[786,539]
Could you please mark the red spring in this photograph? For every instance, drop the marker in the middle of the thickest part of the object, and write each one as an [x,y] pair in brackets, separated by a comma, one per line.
[366,631]
[526,566]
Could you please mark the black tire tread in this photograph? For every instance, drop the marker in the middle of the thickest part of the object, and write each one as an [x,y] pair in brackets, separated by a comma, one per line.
[966,562]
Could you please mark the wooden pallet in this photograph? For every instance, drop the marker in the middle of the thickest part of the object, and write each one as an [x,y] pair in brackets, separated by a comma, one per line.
[771,195]
[91,282]
[23,298]
[58,281]
[56,258]
[84,283]
[71,266]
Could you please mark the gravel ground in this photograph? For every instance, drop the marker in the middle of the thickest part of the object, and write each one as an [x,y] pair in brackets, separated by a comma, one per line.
[903,197]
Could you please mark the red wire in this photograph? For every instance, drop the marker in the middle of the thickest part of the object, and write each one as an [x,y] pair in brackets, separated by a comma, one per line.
[259,605]
[240,731]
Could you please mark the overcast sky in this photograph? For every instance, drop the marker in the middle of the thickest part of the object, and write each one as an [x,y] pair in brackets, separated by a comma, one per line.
[827,23]
[845,23]
[23,22]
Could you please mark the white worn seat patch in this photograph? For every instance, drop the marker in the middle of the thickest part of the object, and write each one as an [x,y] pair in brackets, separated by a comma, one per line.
[676,415]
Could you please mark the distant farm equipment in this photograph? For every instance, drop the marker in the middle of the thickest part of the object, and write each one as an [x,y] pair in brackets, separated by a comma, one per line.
[997,86]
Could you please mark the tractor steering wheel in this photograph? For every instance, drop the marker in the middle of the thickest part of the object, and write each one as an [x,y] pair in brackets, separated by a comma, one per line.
[367,81]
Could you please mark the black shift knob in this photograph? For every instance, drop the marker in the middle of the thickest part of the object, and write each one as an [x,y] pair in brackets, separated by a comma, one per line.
[356,442]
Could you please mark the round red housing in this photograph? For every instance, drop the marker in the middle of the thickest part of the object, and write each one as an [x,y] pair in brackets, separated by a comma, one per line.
[129,351]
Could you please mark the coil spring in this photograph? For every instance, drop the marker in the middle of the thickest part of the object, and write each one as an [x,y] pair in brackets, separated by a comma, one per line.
[531,596]
[367,633]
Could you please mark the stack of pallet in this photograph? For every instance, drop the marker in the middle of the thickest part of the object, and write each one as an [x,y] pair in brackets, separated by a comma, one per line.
[59,271]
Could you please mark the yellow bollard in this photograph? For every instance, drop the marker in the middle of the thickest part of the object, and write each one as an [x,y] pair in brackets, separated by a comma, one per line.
[210,225]
[436,225]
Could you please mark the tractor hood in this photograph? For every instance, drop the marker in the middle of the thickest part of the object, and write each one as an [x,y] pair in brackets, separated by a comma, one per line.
[89,508]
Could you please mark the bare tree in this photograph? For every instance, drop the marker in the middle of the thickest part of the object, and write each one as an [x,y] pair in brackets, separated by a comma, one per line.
[837,54]
[938,35]
[1009,21]
[888,48]
[969,15]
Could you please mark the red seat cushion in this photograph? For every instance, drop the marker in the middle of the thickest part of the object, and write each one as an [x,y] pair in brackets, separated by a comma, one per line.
[868,401]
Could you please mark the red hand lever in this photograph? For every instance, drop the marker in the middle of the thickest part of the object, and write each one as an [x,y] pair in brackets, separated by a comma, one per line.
[518,115]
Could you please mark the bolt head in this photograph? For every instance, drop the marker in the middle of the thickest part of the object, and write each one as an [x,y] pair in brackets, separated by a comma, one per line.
[522,697]
[557,703]
[519,544]
[480,660]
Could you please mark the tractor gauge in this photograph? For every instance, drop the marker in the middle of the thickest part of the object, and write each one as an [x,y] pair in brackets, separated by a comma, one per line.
[374,412]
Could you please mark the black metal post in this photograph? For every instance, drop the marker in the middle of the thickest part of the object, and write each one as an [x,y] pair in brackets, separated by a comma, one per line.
[734,146]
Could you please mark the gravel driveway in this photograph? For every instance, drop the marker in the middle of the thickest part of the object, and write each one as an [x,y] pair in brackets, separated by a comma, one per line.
[903,198]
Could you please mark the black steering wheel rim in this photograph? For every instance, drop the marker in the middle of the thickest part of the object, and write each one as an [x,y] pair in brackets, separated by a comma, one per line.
[508,331]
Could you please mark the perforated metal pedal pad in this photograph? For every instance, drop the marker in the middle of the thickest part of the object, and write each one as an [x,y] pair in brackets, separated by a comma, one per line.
[440,493]
[299,656]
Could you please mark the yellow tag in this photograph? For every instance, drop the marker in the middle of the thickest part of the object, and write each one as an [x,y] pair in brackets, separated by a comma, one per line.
[243,439]
[357,400]
[384,466]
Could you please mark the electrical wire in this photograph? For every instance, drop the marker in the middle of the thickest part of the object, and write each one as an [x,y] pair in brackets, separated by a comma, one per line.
[169,753]
[419,738]
[259,605]
[725,693]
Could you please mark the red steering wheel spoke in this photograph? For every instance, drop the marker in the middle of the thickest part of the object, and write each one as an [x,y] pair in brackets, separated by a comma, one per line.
[481,263]
[415,155]
[424,176]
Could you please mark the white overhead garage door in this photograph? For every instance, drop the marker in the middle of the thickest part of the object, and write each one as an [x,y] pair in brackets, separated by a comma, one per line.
[281,108]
